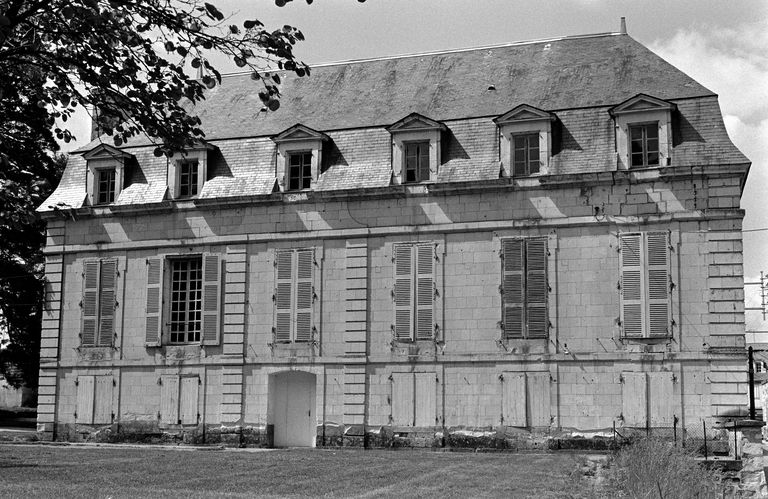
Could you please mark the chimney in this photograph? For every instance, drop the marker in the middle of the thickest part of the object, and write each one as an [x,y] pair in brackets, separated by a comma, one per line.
[95,132]
[623,29]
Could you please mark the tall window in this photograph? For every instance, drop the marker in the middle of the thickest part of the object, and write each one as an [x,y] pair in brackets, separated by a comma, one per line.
[105,189]
[294,295]
[299,170]
[186,300]
[98,303]
[524,288]
[416,161]
[644,144]
[645,283]
[188,172]
[414,292]
[526,154]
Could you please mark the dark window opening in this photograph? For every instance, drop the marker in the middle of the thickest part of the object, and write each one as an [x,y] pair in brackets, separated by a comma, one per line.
[416,161]
[299,171]
[105,186]
[188,172]
[526,160]
[644,145]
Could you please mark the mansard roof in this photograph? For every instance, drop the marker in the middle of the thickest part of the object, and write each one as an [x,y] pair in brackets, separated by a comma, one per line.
[639,103]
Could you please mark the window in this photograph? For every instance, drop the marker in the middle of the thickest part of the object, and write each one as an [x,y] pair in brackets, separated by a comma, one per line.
[188,172]
[526,154]
[644,145]
[192,288]
[414,292]
[106,186]
[98,303]
[294,296]
[188,178]
[299,170]
[416,161]
[524,288]
[645,284]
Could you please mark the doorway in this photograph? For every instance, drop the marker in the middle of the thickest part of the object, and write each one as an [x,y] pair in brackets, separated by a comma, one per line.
[292,408]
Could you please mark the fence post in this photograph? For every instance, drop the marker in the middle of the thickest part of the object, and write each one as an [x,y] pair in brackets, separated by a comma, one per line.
[735,442]
[705,440]
[674,429]
[614,433]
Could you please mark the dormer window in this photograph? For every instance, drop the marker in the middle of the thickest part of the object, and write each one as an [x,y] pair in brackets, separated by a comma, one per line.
[104,174]
[188,178]
[525,141]
[188,171]
[643,127]
[299,157]
[415,149]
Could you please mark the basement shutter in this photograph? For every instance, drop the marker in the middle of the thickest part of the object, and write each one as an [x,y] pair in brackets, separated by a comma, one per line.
[658,283]
[304,295]
[634,399]
[512,287]
[107,302]
[425,292]
[90,303]
[536,288]
[631,285]
[211,299]
[661,399]
[514,399]
[539,397]
[188,409]
[85,391]
[169,399]
[402,399]
[283,295]
[425,400]
[103,400]
[153,330]
[403,291]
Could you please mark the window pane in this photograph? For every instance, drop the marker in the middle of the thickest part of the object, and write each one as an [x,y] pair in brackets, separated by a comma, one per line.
[637,146]
[636,133]
[652,131]
[653,158]
[637,159]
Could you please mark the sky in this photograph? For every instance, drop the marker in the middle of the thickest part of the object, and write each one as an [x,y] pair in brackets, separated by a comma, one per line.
[721,44]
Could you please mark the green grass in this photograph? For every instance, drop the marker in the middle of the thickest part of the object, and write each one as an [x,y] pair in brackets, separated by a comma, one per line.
[68,471]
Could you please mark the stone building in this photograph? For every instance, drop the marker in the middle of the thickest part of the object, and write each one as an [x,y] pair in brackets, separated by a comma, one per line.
[524,239]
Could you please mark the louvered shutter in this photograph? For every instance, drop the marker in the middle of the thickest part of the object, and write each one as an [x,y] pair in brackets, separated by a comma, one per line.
[85,391]
[107,302]
[632,285]
[425,292]
[536,287]
[169,399]
[211,299]
[90,303]
[154,311]
[283,295]
[657,262]
[403,291]
[304,295]
[512,287]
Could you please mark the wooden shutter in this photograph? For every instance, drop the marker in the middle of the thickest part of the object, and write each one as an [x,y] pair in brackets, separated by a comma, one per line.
[512,287]
[539,397]
[536,288]
[514,400]
[90,303]
[169,399]
[188,408]
[634,399]
[632,285]
[425,400]
[402,399]
[211,299]
[403,291]
[661,399]
[103,400]
[173,168]
[154,311]
[657,262]
[425,292]
[283,295]
[304,295]
[85,392]
[107,302]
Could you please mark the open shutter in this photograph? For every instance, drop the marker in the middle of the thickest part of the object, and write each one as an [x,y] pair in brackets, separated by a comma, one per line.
[107,302]
[283,295]
[103,400]
[304,294]
[661,398]
[539,396]
[512,287]
[403,292]
[189,397]
[173,167]
[634,399]
[425,399]
[514,400]
[211,299]
[90,303]
[425,292]
[657,248]
[402,399]
[154,312]
[536,288]
[632,285]
[85,391]
[169,399]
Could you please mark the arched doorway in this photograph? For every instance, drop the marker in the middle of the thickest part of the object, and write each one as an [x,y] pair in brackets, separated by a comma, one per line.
[292,408]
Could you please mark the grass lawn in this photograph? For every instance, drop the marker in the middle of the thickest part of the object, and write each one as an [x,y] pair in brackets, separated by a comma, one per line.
[69,471]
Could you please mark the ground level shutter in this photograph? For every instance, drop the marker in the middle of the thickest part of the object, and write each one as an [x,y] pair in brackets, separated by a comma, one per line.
[425,400]
[402,399]
[85,395]
[539,397]
[188,406]
[514,399]
[169,399]
[634,399]
[103,400]
[661,399]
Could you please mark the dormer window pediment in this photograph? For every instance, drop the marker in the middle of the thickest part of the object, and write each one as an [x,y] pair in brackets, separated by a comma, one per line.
[105,173]
[415,149]
[643,127]
[299,157]
[525,141]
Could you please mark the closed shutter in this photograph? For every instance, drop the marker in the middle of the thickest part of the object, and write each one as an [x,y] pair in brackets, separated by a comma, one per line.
[425,292]
[632,285]
[304,295]
[539,397]
[661,399]
[658,283]
[90,303]
[403,291]
[514,399]
[103,400]
[107,302]
[512,287]
[189,397]
[283,295]
[211,299]
[402,399]
[154,310]
[634,399]
[536,287]
[169,399]
[425,399]
[85,392]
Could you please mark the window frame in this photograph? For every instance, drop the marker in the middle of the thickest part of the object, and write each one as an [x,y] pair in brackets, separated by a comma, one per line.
[169,286]
[104,157]
[111,191]
[419,168]
[412,129]
[302,177]
[645,151]
[642,110]
[193,175]
[527,162]
[527,302]
[199,153]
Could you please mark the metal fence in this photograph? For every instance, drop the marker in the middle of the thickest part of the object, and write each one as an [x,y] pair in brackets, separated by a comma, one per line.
[704,439]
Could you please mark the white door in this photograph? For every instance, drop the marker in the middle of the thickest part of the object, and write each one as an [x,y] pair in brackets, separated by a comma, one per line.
[293,399]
